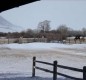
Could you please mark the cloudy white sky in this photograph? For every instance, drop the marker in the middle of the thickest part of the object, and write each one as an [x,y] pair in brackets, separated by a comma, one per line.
[69,12]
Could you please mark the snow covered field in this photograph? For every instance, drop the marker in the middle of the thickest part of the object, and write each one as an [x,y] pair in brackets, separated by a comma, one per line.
[16,59]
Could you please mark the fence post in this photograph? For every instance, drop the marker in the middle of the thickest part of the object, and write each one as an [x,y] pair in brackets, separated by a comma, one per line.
[55,70]
[84,73]
[33,68]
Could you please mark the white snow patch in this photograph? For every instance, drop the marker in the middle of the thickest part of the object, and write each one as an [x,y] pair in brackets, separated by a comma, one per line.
[12,67]
[41,46]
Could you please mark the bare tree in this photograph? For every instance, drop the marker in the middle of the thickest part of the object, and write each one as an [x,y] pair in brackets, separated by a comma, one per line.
[84,31]
[62,30]
[44,26]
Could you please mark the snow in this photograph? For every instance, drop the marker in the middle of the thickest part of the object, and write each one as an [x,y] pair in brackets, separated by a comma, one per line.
[41,46]
[30,78]
[16,59]
[6,26]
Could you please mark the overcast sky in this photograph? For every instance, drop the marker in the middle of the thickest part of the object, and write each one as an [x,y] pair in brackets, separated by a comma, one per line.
[72,13]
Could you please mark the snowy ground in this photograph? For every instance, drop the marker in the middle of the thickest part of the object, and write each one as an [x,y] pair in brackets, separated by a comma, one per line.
[16,59]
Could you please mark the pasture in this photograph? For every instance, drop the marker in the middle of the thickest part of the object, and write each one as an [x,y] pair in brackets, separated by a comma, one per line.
[16,59]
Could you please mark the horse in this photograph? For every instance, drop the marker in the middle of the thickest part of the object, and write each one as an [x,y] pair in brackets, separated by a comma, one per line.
[81,39]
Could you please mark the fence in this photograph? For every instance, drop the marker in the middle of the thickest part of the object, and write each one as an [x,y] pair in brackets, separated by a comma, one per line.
[55,72]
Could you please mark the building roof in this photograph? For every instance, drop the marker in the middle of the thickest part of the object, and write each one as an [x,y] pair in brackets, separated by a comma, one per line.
[8,4]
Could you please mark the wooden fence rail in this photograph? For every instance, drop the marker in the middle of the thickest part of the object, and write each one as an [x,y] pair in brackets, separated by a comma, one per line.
[55,72]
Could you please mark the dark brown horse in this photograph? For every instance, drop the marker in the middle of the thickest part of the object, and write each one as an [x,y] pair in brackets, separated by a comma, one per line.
[80,39]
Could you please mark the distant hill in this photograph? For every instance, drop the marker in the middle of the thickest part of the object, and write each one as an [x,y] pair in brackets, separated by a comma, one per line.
[6,26]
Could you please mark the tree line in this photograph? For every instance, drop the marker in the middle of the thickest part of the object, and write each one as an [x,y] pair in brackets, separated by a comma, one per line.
[44,30]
